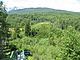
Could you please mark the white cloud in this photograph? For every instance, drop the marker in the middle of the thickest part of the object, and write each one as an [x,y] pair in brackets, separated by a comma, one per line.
[70,5]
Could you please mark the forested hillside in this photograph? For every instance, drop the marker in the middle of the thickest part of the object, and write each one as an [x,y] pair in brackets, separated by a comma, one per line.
[48,35]
[38,10]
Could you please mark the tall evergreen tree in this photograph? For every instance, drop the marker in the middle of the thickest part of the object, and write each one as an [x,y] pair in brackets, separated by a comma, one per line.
[27,27]
[3,28]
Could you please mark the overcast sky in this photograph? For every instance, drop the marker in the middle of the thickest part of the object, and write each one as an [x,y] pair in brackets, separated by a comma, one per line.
[70,5]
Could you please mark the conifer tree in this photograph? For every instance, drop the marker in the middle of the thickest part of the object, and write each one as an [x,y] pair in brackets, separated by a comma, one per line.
[27,28]
[3,29]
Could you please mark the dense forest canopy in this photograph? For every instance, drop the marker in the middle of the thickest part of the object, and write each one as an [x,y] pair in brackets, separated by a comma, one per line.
[51,35]
[48,35]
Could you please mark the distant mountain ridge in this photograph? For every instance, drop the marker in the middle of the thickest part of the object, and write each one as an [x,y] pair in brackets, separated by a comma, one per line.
[31,10]
[39,10]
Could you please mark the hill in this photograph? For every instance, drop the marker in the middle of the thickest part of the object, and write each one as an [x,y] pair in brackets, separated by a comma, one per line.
[37,10]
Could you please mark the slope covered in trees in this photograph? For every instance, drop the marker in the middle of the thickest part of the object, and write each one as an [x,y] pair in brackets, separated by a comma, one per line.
[48,35]
[52,35]
[38,10]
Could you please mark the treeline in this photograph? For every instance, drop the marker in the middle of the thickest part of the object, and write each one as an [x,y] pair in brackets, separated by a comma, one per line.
[61,20]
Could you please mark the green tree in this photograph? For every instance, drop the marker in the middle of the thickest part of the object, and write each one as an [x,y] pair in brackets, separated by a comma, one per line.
[3,29]
[27,27]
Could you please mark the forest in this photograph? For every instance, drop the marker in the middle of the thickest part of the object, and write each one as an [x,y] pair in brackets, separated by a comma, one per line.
[49,35]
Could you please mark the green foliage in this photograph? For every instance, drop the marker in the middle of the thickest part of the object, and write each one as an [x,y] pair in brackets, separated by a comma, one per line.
[3,29]
[49,36]
[61,45]
[42,29]
[27,27]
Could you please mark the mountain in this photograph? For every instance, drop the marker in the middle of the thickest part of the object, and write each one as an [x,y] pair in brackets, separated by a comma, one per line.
[37,10]
[31,10]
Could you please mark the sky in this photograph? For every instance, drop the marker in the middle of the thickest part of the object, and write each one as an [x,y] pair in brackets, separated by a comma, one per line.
[69,5]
